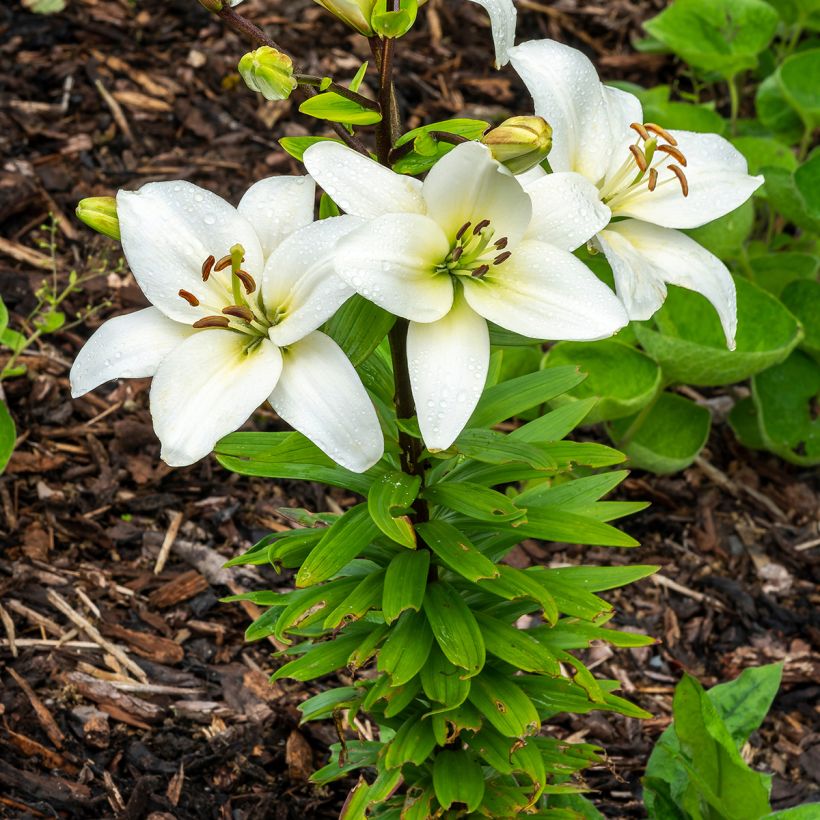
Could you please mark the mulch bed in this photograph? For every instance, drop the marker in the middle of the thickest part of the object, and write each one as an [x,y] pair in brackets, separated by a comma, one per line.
[127,688]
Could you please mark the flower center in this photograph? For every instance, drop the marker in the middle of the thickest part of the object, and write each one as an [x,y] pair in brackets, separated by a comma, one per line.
[474,251]
[242,313]
[655,153]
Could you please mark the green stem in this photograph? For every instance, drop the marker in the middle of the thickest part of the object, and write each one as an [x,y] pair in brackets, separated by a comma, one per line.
[734,101]
[805,142]
[636,425]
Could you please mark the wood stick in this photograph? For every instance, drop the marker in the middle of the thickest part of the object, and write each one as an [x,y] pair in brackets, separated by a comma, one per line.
[8,625]
[168,542]
[45,717]
[35,617]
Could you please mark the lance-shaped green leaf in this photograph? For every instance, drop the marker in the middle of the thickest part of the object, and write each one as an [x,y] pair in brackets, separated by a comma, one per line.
[417,163]
[454,627]
[571,598]
[364,597]
[442,681]
[8,435]
[458,778]
[599,579]
[515,584]
[296,146]
[264,625]
[355,806]
[405,583]
[455,551]
[554,524]
[448,724]
[291,552]
[339,546]
[320,659]
[474,500]
[504,704]
[398,698]
[358,326]
[578,492]
[516,646]
[417,802]
[308,606]
[406,649]
[332,106]
[508,399]
[413,743]
[556,424]
[492,447]
[389,502]
[324,704]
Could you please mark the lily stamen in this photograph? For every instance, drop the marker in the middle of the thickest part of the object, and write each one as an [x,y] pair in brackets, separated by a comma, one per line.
[640,130]
[640,158]
[247,281]
[480,271]
[212,321]
[207,266]
[674,152]
[189,298]
[653,179]
[485,223]
[678,172]
[456,254]
[661,132]
[462,230]
[223,263]
[502,257]
[501,244]
[239,312]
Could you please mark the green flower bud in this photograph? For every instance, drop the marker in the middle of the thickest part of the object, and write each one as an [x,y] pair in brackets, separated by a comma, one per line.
[100,213]
[213,6]
[269,72]
[356,13]
[520,143]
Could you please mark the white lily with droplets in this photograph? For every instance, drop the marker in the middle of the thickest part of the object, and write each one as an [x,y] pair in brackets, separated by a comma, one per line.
[653,182]
[466,246]
[237,296]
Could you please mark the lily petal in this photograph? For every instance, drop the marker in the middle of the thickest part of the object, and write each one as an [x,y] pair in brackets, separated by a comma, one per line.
[502,19]
[468,185]
[299,283]
[208,387]
[718,182]
[278,206]
[644,256]
[359,185]
[128,347]
[320,395]
[566,210]
[569,96]
[448,362]
[168,230]
[391,261]
[546,293]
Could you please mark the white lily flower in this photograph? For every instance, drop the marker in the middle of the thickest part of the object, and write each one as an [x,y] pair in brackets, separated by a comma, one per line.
[460,249]
[652,181]
[221,339]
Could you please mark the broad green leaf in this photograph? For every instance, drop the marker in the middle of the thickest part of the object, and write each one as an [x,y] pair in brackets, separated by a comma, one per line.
[366,596]
[799,78]
[774,110]
[287,455]
[516,646]
[508,399]
[669,437]
[725,237]
[415,163]
[621,378]
[455,551]
[340,544]
[50,321]
[474,500]
[802,298]
[677,116]
[504,704]
[413,743]
[790,201]
[774,271]
[398,698]
[320,659]
[764,152]
[407,647]
[458,778]
[296,146]
[454,627]
[389,501]
[743,421]
[807,181]
[405,583]
[331,106]
[688,342]
[785,397]
[358,327]
[716,35]
[442,681]
[8,435]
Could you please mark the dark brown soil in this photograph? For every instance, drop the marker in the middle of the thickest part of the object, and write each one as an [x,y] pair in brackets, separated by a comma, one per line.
[110,94]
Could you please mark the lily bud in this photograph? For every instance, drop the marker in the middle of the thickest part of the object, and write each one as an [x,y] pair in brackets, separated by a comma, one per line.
[214,6]
[520,143]
[269,72]
[356,13]
[100,213]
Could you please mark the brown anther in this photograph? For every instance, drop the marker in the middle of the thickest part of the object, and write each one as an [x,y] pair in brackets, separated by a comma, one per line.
[653,178]
[501,244]
[239,312]
[640,130]
[462,230]
[457,252]
[189,298]
[661,132]
[502,257]
[212,321]
[223,263]
[480,271]
[674,152]
[207,267]
[485,223]
[247,281]
[684,183]
[640,159]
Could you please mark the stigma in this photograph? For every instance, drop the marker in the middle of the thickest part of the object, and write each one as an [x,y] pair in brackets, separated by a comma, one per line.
[475,251]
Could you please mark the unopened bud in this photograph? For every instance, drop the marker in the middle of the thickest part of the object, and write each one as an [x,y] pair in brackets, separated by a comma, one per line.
[520,143]
[213,6]
[269,72]
[356,13]
[100,213]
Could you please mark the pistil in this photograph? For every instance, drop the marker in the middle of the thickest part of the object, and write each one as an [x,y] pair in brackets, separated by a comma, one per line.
[473,253]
